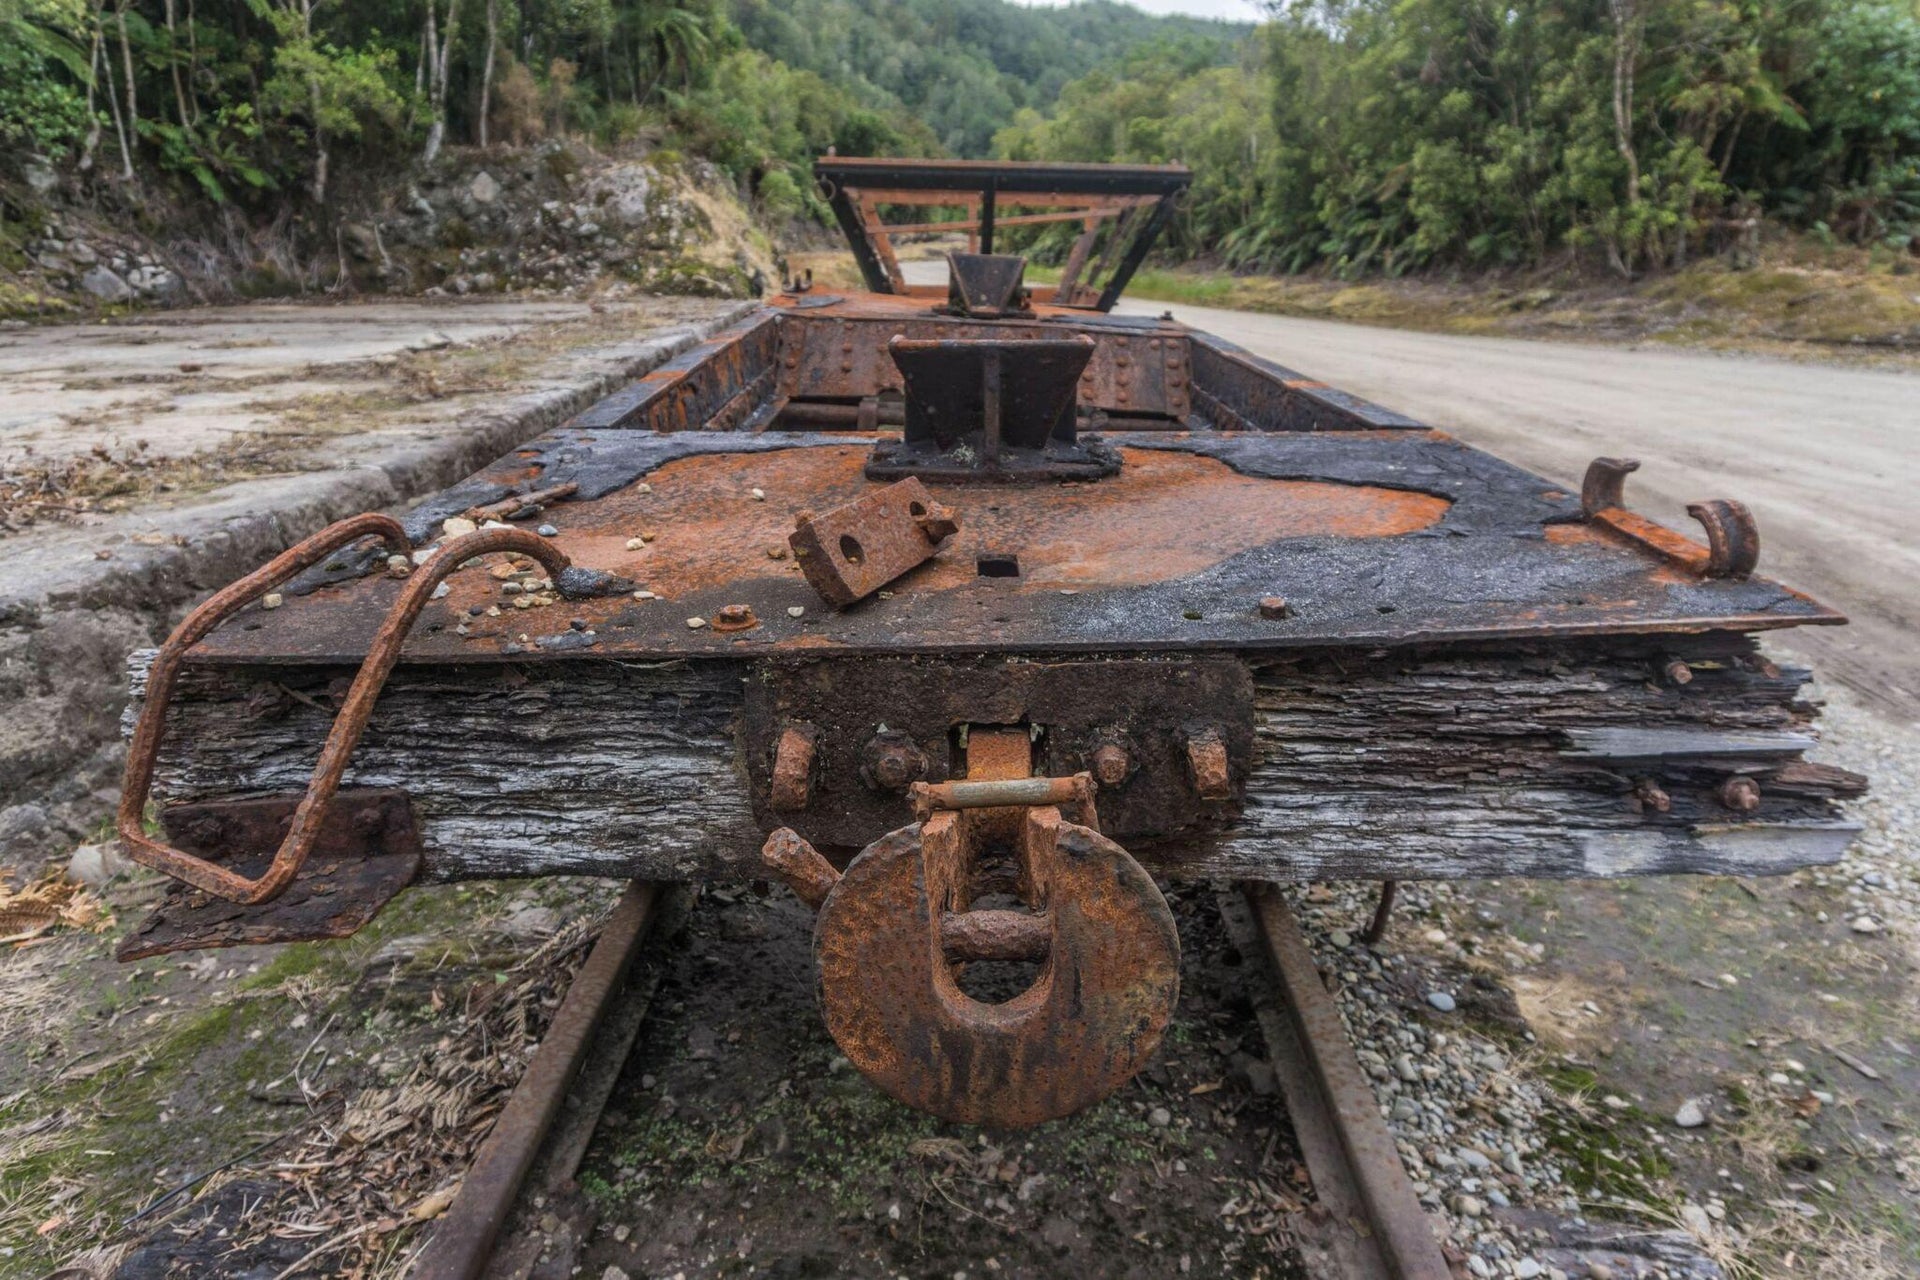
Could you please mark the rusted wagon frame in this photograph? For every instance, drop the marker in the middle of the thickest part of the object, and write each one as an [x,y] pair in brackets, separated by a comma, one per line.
[383,651]
[1288,633]
[1092,194]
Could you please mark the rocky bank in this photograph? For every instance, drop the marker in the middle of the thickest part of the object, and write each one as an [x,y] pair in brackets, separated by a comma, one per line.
[558,218]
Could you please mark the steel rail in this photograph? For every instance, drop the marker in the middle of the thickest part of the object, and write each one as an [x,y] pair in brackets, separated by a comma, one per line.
[1368,1225]
[463,1241]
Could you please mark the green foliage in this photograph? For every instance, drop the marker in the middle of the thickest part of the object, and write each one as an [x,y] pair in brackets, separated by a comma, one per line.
[42,108]
[763,122]
[962,67]
[216,154]
[264,96]
[1390,135]
[341,91]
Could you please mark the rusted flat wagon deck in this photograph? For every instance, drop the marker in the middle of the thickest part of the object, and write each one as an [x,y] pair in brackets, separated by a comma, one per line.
[1017,596]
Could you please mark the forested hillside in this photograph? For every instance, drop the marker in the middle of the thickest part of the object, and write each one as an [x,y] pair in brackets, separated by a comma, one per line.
[265,101]
[1386,135]
[962,67]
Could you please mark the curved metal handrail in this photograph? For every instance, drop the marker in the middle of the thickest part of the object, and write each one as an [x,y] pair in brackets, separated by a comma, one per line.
[382,653]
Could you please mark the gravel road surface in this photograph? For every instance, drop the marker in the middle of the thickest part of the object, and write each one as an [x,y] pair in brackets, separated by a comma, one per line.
[1828,457]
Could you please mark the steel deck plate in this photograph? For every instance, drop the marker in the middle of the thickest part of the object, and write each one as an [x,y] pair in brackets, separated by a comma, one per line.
[1373,537]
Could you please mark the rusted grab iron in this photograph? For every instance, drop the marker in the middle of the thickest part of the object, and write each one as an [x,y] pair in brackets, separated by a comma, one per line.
[1733,538]
[311,815]
[894,925]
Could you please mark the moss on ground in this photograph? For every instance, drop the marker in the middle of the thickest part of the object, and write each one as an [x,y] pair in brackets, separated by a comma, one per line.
[139,1103]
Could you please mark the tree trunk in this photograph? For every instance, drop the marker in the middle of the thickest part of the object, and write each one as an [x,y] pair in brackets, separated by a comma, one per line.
[486,69]
[173,68]
[126,59]
[92,143]
[1626,54]
[437,76]
[193,62]
[435,126]
[120,128]
[319,184]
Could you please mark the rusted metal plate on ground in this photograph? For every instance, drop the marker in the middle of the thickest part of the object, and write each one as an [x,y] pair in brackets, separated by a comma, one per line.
[367,852]
[852,551]
[1090,1021]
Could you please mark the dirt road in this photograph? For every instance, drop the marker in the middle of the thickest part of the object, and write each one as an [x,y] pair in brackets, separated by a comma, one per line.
[1827,457]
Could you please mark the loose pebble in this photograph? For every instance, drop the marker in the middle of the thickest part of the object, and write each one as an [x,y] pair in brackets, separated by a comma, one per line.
[796,611]
[1441,1001]
[694,624]
[1691,1114]
[272,600]
[457,526]
[547,531]
[759,495]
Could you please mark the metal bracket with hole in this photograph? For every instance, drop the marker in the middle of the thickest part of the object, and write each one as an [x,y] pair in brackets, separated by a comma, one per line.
[852,551]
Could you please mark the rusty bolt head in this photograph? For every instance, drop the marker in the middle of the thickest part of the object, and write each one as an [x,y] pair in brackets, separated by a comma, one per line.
[1207,764]
[1740,793]
[1679,672]
[892,761]
[1275,608]
[792,782]
[1652,795]
[1111,764]
[735,617]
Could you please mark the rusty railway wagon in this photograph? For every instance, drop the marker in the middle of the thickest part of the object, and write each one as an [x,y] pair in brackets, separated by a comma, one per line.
[972,613]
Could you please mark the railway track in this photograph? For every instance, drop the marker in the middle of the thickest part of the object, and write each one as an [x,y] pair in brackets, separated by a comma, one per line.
[513,1218]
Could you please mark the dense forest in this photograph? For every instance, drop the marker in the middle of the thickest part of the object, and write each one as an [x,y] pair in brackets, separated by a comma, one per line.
[962,67]
[1356,135]
[1388,135]
[262,100]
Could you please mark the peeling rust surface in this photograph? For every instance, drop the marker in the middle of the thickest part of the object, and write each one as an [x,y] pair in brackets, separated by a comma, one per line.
[367,852]
[1242,483]
[792,781]
[1372,538]
[1207,764]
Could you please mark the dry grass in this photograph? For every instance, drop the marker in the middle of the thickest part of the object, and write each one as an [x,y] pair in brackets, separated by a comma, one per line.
[108,480]
[369,1167]
[49,903]
[1560,1010]
[1794,1244]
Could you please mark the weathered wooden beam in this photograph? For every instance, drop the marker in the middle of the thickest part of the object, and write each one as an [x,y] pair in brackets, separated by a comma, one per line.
[1618,742]
[1541,763]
